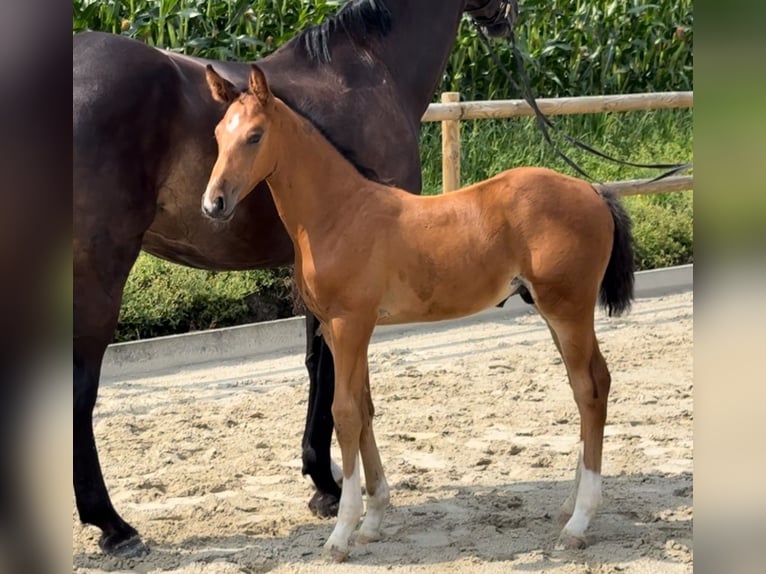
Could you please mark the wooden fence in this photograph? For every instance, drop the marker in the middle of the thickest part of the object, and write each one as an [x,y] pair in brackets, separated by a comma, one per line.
[451,111]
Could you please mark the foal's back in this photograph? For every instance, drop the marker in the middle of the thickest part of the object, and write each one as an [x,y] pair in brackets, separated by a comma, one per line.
[455,254]
[517,207]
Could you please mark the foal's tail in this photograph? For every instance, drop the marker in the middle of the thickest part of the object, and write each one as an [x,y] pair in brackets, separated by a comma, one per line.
[617,287]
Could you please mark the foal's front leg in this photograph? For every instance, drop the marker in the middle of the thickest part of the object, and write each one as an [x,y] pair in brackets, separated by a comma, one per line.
[348,340]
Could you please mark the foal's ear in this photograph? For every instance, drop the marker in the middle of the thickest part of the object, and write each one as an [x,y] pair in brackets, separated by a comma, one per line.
[258,85]
[222,89]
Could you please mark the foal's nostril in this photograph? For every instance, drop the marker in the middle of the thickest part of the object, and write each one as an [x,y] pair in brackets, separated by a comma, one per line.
[219,204]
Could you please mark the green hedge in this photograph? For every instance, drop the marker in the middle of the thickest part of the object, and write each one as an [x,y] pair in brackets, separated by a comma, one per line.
[161,298]
[663,227]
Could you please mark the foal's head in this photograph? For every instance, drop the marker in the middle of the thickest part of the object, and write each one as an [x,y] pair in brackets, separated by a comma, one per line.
[244,156]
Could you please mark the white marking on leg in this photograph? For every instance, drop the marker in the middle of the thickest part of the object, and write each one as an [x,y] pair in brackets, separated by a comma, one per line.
[567,509]
[376,507]
[232,124]
[337,472]
[349,512]
[588,500]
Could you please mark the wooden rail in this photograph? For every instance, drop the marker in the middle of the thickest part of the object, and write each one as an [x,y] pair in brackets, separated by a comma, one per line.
[451,111]
[489,109]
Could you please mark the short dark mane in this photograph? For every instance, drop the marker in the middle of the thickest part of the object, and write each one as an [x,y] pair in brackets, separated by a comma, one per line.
[361,20]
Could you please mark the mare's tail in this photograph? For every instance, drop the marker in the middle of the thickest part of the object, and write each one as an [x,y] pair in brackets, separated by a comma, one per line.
[617,287]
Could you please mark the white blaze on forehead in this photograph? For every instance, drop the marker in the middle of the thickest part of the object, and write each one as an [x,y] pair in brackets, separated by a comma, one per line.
[233,122]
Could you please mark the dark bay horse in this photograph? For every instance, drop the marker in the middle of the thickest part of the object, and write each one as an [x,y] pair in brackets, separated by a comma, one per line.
[556,237]
[143,120]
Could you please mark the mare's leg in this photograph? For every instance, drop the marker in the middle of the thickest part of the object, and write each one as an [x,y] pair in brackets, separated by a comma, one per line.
[100,272]
[590,382]
[349,342]
[317,435]
[112,210]
[378,493]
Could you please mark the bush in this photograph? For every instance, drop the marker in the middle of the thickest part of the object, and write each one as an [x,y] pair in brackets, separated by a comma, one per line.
[663,229]
[161,298]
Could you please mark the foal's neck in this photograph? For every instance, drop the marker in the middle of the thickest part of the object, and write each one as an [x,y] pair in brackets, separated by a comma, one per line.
[313,184]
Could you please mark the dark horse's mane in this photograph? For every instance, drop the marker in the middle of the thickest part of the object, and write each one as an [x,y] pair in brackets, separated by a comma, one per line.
[361,20]
[346,153]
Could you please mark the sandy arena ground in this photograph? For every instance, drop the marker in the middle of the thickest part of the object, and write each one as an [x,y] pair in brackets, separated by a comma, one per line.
[478,434]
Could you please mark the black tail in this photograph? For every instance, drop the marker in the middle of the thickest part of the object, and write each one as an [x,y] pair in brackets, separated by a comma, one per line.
[617,287]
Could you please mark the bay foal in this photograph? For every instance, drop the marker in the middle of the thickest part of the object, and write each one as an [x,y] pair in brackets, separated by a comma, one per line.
[367,254]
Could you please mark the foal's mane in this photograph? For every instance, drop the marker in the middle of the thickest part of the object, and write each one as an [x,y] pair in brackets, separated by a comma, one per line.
[361,20]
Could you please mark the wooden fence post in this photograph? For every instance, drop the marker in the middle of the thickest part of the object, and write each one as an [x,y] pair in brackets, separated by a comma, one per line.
[450,148]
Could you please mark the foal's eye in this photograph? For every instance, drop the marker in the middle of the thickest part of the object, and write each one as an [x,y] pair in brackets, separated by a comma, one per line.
[254,137]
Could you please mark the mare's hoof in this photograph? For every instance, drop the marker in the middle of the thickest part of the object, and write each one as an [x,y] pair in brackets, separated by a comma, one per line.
[570,542]
[324,505]
[131,547]
[335,555]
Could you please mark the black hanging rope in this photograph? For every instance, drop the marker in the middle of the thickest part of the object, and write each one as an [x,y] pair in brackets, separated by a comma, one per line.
[546,125]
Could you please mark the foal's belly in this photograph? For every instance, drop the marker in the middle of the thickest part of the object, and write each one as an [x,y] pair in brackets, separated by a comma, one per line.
[419,301]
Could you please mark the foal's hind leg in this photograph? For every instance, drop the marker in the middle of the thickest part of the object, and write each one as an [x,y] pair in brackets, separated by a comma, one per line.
[590,382]
[378,493]
[567,508]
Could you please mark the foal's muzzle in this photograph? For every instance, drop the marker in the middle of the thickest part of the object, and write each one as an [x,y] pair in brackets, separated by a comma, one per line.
[217,208]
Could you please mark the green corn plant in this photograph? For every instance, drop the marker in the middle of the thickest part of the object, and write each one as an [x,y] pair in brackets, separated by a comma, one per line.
[581,48]
[569,47]
[220,29]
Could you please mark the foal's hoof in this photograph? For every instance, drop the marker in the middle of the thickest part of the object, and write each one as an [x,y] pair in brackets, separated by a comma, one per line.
[563,517]
[324,505]
[367,537]
[570,542]
[132,547]
[334,554]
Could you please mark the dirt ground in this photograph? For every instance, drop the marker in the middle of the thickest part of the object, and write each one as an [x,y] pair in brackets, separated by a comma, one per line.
[478,434]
